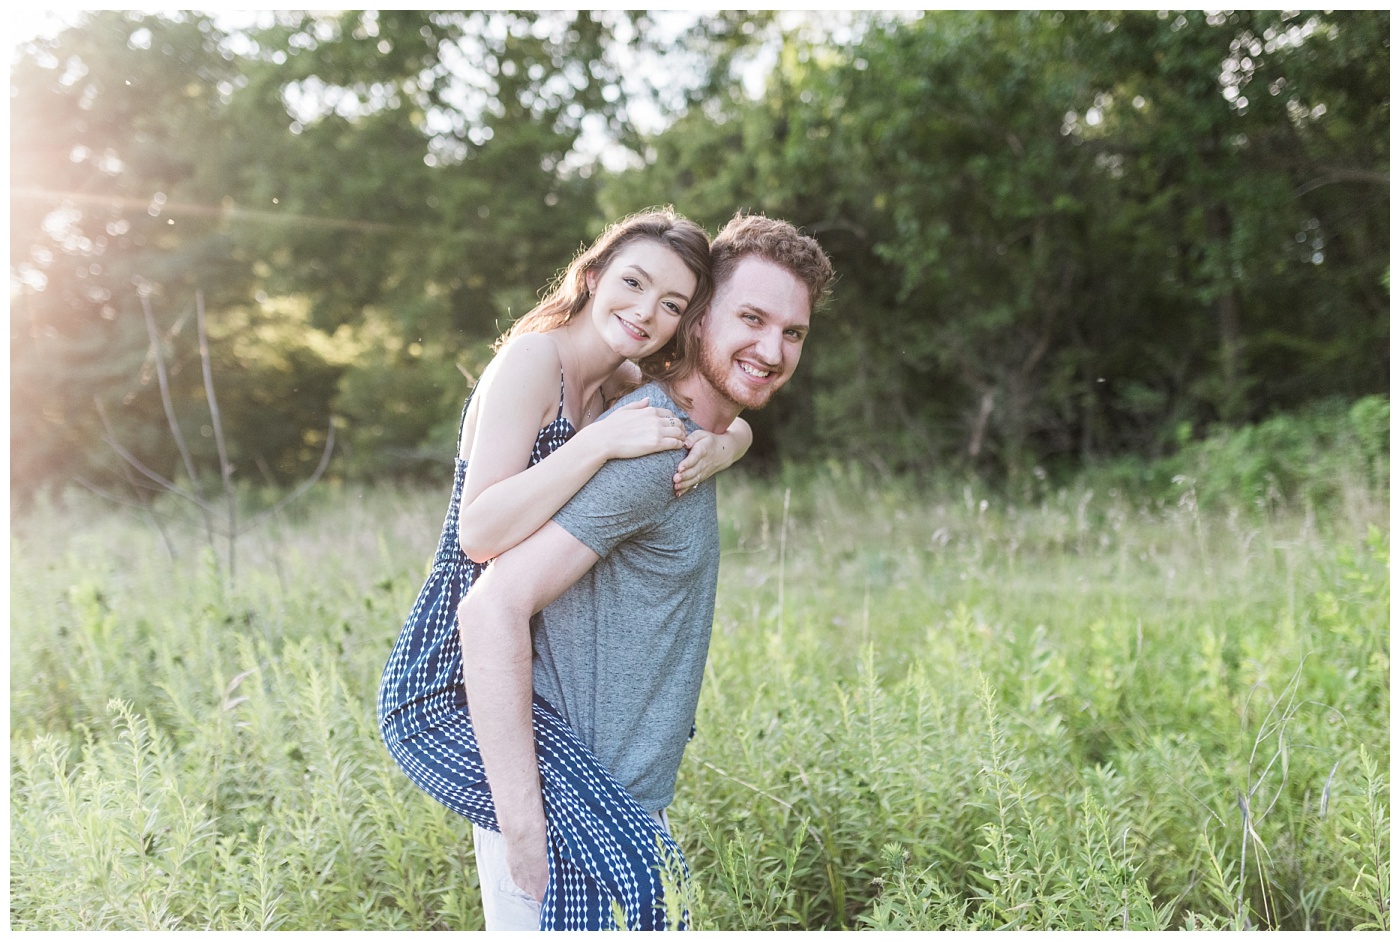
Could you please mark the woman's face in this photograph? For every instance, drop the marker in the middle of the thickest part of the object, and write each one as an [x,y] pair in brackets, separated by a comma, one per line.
[636,302]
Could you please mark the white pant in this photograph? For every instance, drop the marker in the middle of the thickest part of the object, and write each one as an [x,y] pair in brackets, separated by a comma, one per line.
[508,907]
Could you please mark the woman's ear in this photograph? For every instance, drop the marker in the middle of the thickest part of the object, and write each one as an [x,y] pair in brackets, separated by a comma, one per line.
[590,280]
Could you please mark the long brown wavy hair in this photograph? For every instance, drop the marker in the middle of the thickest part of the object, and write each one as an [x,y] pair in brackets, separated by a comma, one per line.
[568,294]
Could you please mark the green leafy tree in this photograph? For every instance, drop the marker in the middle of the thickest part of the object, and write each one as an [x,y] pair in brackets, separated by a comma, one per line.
[1059,235]
[1062,235]
[115,172]
[1257,144]
[445,134]
[365,199]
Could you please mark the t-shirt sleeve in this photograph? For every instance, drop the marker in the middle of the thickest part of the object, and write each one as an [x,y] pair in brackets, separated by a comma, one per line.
[624,498]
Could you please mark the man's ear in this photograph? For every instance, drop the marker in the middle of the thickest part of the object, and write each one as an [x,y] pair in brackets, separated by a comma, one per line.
[698,329]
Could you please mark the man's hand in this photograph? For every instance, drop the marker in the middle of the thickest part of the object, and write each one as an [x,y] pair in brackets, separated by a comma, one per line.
[528,861]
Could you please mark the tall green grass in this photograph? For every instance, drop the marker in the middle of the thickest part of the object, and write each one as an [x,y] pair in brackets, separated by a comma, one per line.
[925,707]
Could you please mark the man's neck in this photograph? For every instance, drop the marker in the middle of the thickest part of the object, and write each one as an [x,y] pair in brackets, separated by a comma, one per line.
[707,408]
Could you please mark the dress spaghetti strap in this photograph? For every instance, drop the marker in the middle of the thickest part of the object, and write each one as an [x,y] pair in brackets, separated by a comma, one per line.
[462,421]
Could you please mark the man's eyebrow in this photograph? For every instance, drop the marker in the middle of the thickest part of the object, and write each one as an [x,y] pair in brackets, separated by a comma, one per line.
[755,309]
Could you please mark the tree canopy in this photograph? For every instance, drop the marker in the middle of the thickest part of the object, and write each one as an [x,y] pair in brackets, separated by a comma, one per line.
[1059,236]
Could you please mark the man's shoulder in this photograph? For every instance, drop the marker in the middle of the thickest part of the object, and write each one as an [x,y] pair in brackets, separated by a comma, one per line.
[645,473]
[660,398]
[659,466]
[634,479]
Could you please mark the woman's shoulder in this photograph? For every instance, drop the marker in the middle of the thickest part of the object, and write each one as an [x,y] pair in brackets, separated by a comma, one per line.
[530,360]
[530,351]
[525,369]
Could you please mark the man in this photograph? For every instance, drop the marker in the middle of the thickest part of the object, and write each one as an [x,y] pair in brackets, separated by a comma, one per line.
[623,580]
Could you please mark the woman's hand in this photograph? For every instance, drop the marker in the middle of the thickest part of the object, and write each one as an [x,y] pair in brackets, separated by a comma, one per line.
[710,454]
[527,861]
[636,429]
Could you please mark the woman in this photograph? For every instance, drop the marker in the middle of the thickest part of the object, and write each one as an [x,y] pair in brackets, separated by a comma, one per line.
[624,298]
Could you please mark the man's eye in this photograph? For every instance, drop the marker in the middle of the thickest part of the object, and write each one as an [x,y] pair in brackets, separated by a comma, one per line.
[794,335]
[751,318]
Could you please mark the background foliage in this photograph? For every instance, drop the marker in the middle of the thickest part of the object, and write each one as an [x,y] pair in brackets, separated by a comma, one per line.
[1091,706]
[1061,236]
[1064,600]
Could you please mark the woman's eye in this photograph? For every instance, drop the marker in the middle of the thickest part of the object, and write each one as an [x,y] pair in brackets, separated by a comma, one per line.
[674,308]
[632,282]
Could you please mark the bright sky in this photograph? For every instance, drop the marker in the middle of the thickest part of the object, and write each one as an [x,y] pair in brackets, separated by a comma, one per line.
[24,23]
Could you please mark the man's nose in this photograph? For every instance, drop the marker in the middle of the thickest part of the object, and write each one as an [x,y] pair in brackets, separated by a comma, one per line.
[770,347]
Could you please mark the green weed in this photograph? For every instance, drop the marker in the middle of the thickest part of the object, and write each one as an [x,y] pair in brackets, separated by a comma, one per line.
[926,706]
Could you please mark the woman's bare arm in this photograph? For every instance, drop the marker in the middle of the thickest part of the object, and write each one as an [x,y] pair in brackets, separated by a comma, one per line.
[504,499]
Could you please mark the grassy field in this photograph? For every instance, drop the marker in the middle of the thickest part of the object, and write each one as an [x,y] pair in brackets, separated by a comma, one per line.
[935,707]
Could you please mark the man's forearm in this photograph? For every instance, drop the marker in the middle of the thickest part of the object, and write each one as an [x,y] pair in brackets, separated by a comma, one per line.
[496,670]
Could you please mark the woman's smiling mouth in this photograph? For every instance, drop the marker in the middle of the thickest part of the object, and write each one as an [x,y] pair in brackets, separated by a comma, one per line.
[633,329]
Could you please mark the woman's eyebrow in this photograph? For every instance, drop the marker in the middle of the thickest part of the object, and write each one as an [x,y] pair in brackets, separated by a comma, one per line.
[647,275]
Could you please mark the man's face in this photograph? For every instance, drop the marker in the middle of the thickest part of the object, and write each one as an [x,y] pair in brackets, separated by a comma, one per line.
[752,335]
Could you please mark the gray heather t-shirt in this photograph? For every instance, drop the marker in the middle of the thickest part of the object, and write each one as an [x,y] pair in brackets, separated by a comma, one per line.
[622,652]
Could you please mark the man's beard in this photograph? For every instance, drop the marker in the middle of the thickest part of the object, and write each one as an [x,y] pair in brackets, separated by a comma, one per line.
[717,373]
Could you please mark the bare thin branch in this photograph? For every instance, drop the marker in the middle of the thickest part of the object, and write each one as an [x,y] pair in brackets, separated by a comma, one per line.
[225,468]
[111,440]
[121,501]
[1344,175]
[165,399]
[168,404]
[306,484]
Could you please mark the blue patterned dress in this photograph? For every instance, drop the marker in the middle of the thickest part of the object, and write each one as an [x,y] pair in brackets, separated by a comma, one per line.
[604,848]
